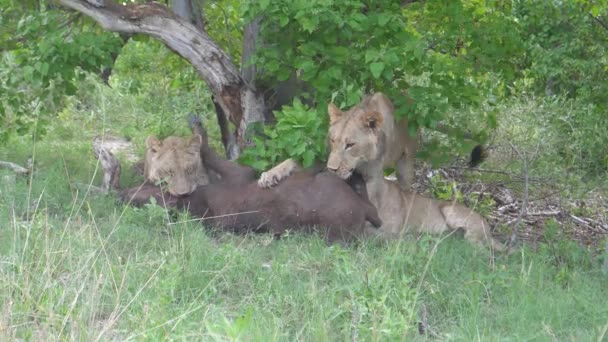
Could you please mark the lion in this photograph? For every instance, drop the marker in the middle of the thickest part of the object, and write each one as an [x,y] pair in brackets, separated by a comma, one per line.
[360,142]
[400,146]
[176,160]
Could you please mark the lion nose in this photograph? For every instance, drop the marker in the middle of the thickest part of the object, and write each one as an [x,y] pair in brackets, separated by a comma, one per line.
[332,169]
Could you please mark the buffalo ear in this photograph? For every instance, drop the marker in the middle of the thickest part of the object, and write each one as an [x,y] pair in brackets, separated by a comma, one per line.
[153,144]
[372,120]
[196,141]
[334,113]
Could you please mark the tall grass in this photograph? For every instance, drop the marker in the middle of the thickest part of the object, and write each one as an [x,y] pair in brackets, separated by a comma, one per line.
[87,268]
[79,266]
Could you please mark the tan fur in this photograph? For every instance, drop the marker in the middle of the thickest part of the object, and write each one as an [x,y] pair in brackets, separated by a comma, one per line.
[176,160]
[400,148]
[273,176]
[359,141]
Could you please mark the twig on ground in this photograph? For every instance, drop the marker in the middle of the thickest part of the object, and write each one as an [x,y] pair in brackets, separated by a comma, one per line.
[109,164]
[545,213]
[579,220]
[95,189]
[424,327]
[14,167]
[524,204]
[214,217]
[506,173]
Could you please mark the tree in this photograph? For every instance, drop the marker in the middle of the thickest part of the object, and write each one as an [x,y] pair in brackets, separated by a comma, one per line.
[431,57]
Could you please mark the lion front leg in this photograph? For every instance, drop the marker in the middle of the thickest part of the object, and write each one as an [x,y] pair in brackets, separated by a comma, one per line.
[406,172]
[273,176]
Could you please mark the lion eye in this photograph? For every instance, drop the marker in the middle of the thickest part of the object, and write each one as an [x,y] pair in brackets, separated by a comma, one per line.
[349,145]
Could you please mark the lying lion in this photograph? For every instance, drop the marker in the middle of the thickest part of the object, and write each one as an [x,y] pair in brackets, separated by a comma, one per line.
[177,161]
[359,142]
[308,200]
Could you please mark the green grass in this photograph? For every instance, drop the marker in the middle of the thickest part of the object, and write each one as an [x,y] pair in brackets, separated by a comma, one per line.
[80,266]
[84,267]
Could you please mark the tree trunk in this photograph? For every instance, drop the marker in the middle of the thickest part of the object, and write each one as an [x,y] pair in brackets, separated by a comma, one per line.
[186,9]
[240,102]
[182,8]
[198,14]
[107,71]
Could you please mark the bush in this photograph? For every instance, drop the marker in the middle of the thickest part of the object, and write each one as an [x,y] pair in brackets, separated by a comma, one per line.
[298,134]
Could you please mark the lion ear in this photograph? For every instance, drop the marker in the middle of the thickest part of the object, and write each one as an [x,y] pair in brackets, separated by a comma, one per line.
[334,113]
[372,120]
[381,102]
[152,143]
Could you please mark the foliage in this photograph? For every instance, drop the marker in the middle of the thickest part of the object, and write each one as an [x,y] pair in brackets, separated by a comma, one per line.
[445,190]
[166,87]
[295,135]
[47,57]
[426,68]
[88,268]
[566,47]
[76,266]
[561,138]
[225,26]
[564,253]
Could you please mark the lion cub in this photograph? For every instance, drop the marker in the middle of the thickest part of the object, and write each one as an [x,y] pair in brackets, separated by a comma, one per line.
[400,148]
[359,142]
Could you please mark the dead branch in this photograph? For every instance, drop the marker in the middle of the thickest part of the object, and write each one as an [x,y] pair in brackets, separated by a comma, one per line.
[83,187]
[579,220]
[506,173]
[599,21]
[18,169]
[109,165]
[524,205]
[545,213]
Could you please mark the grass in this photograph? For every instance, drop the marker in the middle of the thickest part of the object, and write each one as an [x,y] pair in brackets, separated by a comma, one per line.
[83,267]
[80,266]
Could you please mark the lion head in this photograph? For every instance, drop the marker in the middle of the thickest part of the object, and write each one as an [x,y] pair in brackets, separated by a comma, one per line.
[356,137]
[176,160]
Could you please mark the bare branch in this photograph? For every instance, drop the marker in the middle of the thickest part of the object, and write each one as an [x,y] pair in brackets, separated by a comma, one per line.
[18,169]
[524,204]
[599,21]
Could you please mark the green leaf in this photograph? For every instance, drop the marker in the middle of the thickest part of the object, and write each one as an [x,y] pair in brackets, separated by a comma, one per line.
[283,20]
[371,55]
[383,19]
[264,4]
[308,158]
[376,68]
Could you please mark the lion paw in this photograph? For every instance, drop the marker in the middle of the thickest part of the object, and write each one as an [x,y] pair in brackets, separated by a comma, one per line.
[268,179]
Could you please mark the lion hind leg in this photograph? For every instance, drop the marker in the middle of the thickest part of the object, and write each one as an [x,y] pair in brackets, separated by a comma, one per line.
[273,176]
[477,230]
